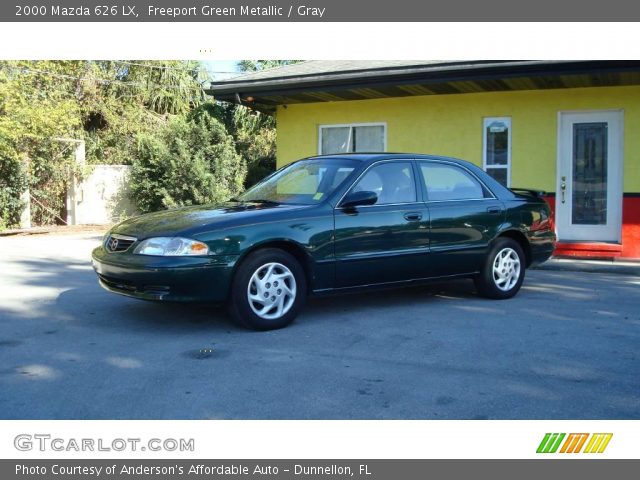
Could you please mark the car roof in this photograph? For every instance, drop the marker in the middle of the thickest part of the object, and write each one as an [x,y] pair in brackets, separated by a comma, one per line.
[375,156]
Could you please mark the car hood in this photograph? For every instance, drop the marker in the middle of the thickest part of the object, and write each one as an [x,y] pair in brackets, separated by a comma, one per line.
[189,221]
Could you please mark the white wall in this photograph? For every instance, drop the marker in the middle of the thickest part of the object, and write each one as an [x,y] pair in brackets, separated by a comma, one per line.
[102,197]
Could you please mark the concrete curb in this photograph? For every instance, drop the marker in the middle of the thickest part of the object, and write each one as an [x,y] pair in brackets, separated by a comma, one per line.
[590,266]
[55,230]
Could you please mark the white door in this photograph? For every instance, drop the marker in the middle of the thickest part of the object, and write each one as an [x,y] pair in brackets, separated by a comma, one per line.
[589,192]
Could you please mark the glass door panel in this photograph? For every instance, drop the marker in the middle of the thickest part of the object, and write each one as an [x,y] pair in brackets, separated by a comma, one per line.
[589,188]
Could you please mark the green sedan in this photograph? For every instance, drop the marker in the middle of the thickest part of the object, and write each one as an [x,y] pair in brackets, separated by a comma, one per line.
[329,224]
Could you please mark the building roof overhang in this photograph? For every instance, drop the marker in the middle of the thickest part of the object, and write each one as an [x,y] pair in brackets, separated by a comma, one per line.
[327,81]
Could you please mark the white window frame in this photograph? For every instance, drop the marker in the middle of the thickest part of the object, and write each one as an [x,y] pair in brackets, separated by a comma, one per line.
[485,123]
[351,125]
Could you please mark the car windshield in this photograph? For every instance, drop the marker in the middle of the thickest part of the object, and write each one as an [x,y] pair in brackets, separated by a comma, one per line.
[306,182]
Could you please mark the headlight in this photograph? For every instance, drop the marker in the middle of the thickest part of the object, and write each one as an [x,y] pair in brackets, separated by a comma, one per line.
[171,247]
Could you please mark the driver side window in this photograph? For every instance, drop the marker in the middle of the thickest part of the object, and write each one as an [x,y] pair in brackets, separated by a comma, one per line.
[393,182]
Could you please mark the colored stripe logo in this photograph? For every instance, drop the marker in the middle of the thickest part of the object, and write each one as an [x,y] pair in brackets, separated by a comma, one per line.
[574,443]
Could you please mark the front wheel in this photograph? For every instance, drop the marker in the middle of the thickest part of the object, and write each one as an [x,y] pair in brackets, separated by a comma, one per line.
[503,271]
[268,290]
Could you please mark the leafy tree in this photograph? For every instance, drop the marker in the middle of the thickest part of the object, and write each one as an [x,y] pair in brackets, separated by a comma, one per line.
[255,132]
[138,98]
[153,114]
[13,181]
[166,87]
[188,162]
[106,103]
[255,135]
[35,111]
[255,65]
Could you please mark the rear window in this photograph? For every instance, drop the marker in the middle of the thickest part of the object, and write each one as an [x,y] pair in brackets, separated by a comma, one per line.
[448,182]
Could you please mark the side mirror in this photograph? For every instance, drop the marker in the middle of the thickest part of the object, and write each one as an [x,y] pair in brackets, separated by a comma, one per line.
[355,199]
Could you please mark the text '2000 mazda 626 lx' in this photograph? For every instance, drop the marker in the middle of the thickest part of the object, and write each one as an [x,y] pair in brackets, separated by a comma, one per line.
[332,224]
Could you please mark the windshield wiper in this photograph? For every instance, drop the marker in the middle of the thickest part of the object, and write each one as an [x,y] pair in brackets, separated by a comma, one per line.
[263,200]
[257,200]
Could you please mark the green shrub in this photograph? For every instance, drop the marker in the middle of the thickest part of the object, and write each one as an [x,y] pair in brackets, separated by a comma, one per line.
[256,142]
[254,134]
[187,162]
[13,182]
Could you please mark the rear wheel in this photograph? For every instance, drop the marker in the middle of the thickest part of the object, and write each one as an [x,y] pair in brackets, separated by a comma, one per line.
[268,290]
[503,271]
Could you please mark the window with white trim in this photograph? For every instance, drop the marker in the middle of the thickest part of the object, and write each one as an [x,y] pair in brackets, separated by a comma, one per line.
[496,155]
[357,137]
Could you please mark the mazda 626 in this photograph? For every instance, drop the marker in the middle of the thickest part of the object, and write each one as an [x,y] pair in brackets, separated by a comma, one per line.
[332,224]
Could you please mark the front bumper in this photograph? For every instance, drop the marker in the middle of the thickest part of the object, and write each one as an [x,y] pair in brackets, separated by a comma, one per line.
[173,279]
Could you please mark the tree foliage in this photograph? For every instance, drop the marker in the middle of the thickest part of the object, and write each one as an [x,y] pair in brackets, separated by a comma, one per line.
[255,65]
[255,135]
[108,104]
[35,110]
[189,161]
[255,132]
[154,115]
[13,181]
[137,98]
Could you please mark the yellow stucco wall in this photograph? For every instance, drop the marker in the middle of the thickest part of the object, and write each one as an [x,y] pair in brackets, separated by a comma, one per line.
[452,125]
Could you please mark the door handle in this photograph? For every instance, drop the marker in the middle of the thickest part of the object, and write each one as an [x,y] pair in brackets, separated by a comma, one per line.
[413,216]
[494,210]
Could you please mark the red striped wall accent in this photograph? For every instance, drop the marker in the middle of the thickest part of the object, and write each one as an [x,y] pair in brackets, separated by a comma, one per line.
[630,247]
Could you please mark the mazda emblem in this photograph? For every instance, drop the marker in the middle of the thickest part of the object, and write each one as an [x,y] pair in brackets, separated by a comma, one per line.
[113,244]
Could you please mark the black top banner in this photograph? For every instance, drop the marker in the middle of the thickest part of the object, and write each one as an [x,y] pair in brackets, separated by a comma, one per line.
[319,11]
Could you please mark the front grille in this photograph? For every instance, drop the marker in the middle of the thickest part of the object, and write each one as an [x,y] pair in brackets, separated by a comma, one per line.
[125,287]
[118,243]
[118,284]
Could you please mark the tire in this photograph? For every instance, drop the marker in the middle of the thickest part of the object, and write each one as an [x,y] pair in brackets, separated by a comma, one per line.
[502,273]
[268,290]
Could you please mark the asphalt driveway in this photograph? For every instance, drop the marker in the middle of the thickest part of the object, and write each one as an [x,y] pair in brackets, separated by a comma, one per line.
[565,347]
